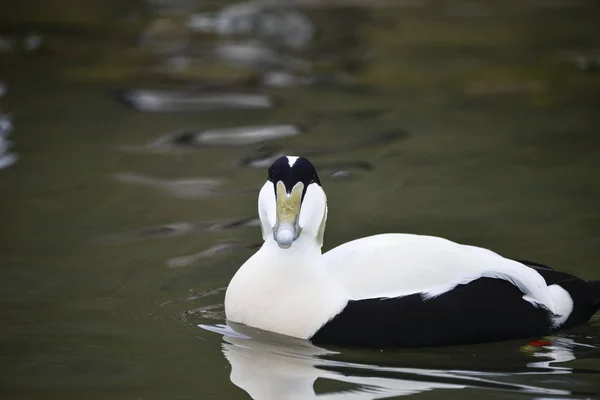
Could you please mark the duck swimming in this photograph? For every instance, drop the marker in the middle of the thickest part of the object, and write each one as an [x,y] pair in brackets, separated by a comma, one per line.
[389,290]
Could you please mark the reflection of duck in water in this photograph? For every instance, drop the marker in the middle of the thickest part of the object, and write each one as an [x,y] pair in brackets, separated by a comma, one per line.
[287,368]
[558,350]
[279,367]
[390,289]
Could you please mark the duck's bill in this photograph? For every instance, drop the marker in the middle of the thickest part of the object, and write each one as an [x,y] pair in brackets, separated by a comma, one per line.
[285,234]
[288,209]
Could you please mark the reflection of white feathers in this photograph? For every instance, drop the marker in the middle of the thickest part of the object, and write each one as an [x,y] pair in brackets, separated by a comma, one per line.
[271,366]
[287,368]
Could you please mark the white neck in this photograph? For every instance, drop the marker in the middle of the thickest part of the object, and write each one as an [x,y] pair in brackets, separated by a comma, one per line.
[288,291]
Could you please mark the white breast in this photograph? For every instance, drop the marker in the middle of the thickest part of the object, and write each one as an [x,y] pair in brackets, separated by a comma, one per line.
[285,291]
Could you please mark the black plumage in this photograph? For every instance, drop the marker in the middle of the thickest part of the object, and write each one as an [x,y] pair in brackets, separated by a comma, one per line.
[484,310]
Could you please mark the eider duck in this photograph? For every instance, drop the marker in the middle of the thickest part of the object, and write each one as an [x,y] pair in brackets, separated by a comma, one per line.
[389,290]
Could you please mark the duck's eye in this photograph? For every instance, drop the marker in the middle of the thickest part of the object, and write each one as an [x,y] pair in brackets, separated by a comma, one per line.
[315,179]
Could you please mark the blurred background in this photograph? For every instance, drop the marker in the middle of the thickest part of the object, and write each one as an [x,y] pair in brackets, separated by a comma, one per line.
[134,136]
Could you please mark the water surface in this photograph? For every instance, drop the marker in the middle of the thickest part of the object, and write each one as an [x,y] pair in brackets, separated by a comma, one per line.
[144,135]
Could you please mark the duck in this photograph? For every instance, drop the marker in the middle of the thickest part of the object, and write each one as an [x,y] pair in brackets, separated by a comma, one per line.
[389,289]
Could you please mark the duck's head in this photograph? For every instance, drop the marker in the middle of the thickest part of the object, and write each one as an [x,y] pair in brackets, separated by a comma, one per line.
[292,204]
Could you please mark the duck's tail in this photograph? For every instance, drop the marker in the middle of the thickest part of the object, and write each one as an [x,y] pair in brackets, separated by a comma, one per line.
[593,288]
[584,303]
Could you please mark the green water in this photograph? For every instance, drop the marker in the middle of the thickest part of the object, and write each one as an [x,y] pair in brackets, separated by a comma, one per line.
[501,149]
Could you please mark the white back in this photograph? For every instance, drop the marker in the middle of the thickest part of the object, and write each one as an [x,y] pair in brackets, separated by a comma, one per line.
[393,265]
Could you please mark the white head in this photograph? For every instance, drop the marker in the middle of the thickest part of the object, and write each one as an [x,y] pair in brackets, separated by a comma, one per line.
[292,204]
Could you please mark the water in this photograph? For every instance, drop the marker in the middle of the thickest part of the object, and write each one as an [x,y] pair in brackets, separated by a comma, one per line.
[120,229]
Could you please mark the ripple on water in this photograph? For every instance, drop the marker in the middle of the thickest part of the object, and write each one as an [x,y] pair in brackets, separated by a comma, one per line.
[192,309]
[335,170]
[215,250]
[360,114]
[193,295]
[172,100]
[263,156]
[237,136]
[263,361]
[276,23]
[177,229]
[214,312]
[190,188]
[6,126]
[190,139]
[345,169]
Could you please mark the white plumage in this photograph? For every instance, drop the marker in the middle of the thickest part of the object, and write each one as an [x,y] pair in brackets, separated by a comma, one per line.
[394,265]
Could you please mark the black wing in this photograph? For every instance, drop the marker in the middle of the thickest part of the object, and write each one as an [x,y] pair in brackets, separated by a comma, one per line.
[484,310]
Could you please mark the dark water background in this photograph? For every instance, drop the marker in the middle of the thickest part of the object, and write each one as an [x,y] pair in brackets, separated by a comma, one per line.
[131,205]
